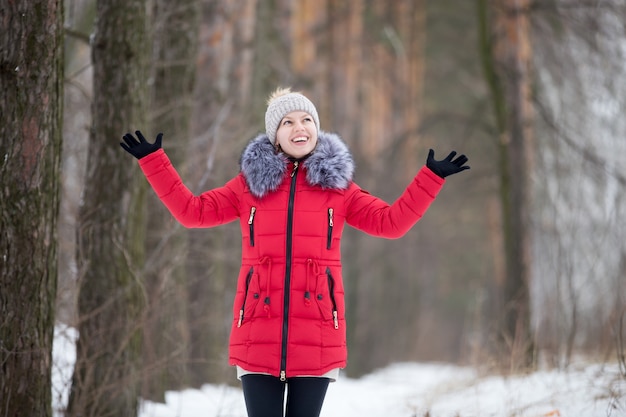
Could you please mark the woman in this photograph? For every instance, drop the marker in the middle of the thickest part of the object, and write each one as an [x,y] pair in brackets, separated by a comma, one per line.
[292,197]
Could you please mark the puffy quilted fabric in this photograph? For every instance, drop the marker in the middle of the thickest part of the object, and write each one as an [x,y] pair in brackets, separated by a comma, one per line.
[289,310]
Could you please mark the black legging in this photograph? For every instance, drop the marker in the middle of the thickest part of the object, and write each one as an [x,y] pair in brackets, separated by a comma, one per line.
[265,395]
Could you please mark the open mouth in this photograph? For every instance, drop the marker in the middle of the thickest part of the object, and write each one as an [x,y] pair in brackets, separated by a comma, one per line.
[300,139]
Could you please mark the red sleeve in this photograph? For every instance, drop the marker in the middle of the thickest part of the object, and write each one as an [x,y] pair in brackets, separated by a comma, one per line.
[376,217]
[211,208]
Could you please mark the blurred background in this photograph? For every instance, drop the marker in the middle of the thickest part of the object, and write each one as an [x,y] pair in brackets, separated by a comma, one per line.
[520,261]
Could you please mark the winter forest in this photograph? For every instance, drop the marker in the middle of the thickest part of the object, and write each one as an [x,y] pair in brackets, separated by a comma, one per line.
[519,264]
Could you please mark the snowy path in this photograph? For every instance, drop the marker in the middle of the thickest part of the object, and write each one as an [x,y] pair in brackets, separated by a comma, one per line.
[407,390]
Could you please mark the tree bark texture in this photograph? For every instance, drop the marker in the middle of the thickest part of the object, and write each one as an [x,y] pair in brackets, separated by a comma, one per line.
[111,226]
[31,107]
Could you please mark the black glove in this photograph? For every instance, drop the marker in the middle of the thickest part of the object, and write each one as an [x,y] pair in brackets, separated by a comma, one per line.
[140,148]
[447,166]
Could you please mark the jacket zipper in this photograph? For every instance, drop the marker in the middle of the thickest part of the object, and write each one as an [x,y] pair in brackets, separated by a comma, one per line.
[330,229]
[245,296]
[251,224]
[292,192]
[331,289]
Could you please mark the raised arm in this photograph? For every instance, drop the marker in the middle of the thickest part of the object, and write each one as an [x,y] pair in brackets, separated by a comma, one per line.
[378,218]
[211,208]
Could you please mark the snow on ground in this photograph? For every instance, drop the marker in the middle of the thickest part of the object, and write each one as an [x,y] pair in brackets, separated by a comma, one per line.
[406,390]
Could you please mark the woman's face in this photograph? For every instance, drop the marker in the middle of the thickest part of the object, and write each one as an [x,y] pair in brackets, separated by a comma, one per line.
[297,134]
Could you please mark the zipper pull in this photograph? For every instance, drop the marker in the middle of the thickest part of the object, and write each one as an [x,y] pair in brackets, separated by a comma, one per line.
[330,217]
[240,318]
[335,319]
[295,168]
[283,377]
[252,211]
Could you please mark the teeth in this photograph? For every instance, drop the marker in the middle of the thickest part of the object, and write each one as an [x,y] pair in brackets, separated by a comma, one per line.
[300,139]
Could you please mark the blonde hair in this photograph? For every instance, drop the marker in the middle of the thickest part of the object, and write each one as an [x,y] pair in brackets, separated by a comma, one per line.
[279,92]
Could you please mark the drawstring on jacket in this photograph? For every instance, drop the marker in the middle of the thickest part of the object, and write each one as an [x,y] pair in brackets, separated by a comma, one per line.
[310,265]
[267,260]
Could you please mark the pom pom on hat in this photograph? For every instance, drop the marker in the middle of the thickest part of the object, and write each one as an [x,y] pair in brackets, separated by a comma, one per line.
[282,102]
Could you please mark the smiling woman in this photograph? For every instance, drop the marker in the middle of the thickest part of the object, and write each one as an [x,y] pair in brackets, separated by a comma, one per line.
[297,134]
[292,198]
[292,123]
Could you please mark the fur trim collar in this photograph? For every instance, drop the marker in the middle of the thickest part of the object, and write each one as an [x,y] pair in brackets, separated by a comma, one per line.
[330,166]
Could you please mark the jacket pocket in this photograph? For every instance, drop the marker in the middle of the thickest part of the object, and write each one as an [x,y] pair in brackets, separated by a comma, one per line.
[251,224]
[331,291]
[250,297]
[329,238]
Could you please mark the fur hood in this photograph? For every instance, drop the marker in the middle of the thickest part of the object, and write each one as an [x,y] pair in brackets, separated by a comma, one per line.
[329,166]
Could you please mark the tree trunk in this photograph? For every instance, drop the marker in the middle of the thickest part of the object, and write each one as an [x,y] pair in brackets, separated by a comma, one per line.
[221,126]
[110,226]
[31,77]
[507,69]
[376,109]
[166,329]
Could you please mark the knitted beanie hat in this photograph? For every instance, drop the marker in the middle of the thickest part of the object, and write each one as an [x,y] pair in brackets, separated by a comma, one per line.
[282,102]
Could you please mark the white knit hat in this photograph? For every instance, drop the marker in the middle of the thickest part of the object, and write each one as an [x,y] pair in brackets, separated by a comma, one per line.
[282,104]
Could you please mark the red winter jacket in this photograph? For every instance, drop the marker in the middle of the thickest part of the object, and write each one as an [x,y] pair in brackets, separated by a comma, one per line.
[289,312]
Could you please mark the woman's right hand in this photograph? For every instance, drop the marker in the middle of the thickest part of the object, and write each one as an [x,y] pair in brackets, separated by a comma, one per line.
[447,166]
[140,148]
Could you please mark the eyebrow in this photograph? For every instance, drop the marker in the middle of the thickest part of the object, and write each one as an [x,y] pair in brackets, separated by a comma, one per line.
[306,115]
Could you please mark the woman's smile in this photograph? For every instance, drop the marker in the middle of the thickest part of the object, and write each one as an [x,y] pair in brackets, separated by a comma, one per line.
[297,134]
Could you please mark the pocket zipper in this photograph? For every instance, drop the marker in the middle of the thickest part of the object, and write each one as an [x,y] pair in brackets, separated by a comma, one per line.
[245,296]
[329,240]
[251,224]
[331,289]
